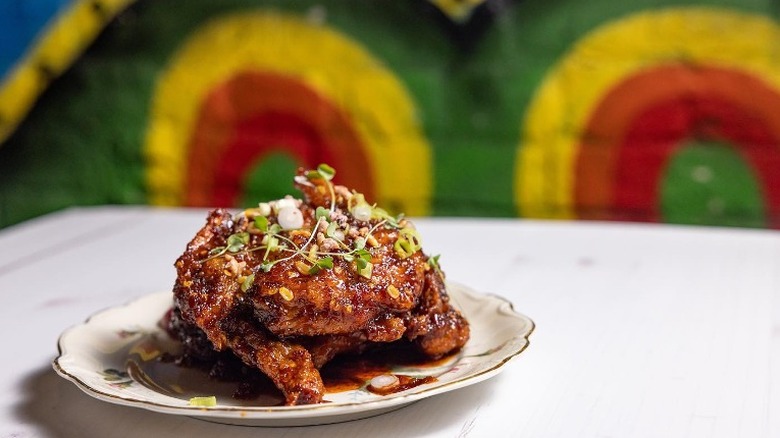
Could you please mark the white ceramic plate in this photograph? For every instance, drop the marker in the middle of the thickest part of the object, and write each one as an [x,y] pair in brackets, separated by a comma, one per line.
[111,356]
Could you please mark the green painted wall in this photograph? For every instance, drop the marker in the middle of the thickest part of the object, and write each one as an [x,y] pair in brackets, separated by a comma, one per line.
[81,144]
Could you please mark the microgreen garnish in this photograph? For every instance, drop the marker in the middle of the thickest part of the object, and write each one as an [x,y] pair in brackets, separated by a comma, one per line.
[326,173]
[365,269]
[408,242]
[331,230]
[237,241]
[393,221]
[321,213]
[264,233]
[320,264]
[217,251]
[271,243]
[434,262]
[261,223]
[203,402]
[247,283]
[362,257]
[325,262]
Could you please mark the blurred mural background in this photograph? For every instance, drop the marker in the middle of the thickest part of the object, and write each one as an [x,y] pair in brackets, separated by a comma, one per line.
[649,110]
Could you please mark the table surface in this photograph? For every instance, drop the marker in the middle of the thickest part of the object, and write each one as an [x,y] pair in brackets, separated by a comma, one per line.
[641,330]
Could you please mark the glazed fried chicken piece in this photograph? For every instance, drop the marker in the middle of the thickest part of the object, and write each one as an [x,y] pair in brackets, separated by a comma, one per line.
[290,284]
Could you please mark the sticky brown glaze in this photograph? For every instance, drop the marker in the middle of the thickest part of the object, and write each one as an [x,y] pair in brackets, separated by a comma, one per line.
[288,322]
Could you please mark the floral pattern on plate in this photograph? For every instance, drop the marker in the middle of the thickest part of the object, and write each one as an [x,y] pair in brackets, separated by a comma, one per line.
[112,356]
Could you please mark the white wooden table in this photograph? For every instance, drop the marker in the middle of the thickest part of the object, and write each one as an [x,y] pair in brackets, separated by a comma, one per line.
[641,330]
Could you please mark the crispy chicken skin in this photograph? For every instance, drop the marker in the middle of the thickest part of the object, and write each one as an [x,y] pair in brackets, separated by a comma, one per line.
[291,284]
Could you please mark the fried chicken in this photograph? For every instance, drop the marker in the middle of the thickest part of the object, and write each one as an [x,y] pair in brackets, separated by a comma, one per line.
[290,284]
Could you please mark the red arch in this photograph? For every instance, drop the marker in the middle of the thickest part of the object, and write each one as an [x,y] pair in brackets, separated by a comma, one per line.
[256,113]
[659,132]
[638,126]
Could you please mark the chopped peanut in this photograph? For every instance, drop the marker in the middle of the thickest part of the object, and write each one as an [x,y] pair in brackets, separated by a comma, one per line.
[393,291]
[303,268]
[286,293]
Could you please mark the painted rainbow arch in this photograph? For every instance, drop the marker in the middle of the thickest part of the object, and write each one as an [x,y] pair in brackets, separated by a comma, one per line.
[65,35]
[608,118]
[247,85]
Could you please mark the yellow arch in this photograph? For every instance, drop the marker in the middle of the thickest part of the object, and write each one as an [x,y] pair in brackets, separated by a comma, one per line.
[320,57]
[558,113]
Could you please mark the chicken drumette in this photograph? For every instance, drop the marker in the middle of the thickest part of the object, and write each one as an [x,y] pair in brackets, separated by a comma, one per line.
[290,284]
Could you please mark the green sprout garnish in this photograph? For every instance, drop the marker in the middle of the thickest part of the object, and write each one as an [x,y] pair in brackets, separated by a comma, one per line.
[362,257]
[261,223]
[247,283]
[393,221]
[321,213]
[434,262]
[365,269]
[326,173]
[271,244]
[331,230]
[408,242]
[320,264]
[217,251]
[204,402]
[237,241]
[270,238]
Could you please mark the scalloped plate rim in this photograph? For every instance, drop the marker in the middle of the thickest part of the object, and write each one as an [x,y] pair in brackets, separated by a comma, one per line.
[323,413]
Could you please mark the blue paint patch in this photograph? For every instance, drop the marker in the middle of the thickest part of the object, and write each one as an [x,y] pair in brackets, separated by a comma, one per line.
[21,23]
